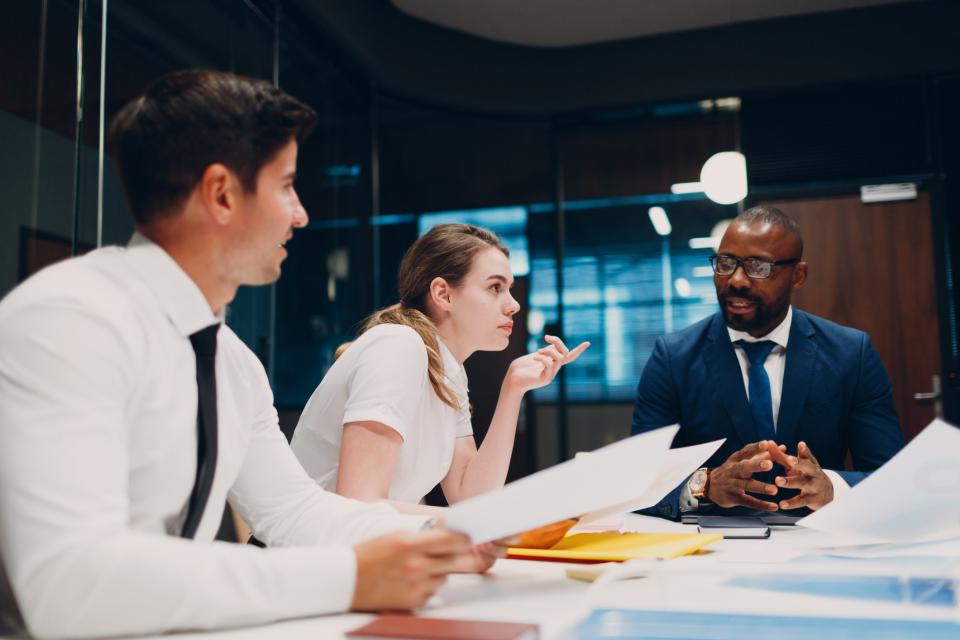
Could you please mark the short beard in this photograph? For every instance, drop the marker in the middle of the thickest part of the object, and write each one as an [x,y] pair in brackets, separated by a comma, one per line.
[762,317]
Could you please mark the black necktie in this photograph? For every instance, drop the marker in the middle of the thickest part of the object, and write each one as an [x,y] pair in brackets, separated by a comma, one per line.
[205,347]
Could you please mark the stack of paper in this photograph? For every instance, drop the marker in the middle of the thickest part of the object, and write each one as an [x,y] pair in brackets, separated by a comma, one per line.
[677,465]
[914,496]
[620,477]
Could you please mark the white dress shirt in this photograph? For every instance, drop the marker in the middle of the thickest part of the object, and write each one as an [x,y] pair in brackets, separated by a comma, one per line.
[98,453]
[382,377]
[774,365]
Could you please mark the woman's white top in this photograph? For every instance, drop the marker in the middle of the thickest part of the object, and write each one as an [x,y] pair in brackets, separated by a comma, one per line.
[382,377]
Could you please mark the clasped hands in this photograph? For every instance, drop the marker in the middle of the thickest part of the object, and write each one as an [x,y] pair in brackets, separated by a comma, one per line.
[731,484]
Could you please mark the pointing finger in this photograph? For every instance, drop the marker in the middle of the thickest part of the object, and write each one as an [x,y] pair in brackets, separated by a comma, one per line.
[573,355]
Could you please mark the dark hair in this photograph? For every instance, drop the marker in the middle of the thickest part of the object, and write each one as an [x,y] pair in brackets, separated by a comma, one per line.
[446,251]
[187,120]
[774,217]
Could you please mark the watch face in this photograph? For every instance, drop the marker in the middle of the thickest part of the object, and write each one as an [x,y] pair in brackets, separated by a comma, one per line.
[699,481]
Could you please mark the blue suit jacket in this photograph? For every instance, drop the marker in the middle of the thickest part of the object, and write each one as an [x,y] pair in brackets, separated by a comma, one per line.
[836,397]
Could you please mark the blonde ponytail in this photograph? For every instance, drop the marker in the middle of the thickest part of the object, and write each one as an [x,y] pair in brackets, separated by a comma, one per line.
[419,322]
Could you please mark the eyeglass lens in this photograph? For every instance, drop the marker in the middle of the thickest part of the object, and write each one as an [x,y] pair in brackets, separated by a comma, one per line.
[726,265]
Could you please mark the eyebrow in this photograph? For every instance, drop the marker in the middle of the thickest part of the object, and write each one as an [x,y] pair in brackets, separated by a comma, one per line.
[501,278]
[291,176]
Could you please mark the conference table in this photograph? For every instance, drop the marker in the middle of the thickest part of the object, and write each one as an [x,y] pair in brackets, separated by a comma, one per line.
[540,592]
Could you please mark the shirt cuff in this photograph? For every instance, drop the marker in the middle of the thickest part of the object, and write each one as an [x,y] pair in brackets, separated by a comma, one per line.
[412,522]
[405,521]
[378,413]
[306,581]
[687,501]
[840,485]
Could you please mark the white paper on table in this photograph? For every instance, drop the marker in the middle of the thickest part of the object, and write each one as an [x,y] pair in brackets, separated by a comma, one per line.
[677,466]
[608,476]
[948,547]
[914,496]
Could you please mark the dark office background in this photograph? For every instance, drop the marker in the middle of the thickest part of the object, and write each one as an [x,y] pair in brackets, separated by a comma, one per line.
[561,150]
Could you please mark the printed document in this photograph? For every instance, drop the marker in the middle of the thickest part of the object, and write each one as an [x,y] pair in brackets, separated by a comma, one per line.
[613,475]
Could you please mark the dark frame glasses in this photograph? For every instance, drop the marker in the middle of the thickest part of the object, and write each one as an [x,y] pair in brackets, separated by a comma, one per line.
[755,268]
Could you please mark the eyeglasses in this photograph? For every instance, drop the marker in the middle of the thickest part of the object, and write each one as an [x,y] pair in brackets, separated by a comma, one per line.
[755,268]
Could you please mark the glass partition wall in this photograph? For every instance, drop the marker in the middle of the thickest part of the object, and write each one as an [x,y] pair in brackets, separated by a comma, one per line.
[378,172]
[40,128]
[602,247]
[71,65]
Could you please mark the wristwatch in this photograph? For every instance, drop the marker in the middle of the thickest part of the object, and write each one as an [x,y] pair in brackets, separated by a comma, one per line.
[698,484]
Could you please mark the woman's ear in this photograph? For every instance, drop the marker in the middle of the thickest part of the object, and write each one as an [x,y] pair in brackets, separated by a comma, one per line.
[440,294]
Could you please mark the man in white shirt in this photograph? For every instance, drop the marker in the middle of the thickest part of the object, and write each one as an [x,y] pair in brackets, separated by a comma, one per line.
[777,383]
[129,414]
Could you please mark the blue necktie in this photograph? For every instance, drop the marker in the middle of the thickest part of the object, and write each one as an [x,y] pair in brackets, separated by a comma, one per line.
[761,402]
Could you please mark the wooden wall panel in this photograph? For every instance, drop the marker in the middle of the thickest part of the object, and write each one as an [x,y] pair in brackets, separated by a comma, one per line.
[872,267]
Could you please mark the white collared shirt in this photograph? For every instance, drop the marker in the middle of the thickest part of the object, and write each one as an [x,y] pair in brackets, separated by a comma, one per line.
[98,451]
[382,377]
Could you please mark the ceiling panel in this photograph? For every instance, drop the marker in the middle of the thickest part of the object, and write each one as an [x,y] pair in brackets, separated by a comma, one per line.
[564,23]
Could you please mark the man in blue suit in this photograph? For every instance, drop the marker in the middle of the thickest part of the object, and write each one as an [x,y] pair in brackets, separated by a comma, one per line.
[779,384]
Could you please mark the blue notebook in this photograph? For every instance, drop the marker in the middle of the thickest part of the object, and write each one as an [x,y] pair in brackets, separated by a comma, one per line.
[672,625]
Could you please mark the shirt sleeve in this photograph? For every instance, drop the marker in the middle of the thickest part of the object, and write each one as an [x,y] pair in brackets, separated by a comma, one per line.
[464,426]
[283,505]
[687,502]
[389,379]
[76,567]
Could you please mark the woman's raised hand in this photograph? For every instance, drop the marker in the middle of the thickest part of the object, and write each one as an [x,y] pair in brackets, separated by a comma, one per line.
[539,368]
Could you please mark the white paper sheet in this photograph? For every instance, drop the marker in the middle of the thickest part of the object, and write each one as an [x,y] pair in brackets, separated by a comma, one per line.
[608,476]
[915,496]
[949,547]
[677,466]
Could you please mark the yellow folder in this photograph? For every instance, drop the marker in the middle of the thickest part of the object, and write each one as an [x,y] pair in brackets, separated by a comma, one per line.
[618,547]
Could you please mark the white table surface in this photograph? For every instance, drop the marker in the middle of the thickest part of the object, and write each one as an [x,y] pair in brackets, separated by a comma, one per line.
[539,592]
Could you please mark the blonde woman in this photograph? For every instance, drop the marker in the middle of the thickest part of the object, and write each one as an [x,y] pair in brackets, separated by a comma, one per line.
[391,418]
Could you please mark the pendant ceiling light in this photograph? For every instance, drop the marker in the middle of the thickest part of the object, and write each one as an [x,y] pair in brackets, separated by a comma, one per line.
[724,177]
